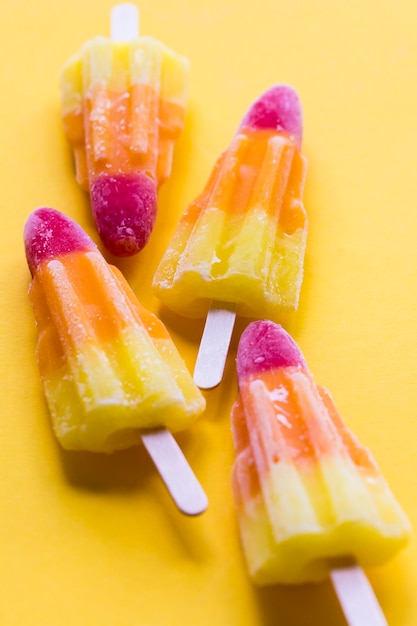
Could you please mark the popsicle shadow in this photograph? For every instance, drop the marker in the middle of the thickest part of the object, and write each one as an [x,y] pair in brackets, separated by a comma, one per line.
[121,471]
[317,604]
[303,605]
[131,471]
[189,329]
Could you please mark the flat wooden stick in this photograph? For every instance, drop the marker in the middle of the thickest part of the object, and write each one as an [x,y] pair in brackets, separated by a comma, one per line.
[124,22]
[357,597]
[214,346]
[175,471]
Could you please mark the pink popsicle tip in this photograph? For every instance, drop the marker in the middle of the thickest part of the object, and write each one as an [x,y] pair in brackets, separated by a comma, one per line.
[124,208]
[278,108]
[49,234]
[263,346]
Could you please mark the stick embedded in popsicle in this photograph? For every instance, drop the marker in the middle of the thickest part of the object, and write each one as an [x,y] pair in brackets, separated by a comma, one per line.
[123,107]
[239,247]
[311,501]
[111,373]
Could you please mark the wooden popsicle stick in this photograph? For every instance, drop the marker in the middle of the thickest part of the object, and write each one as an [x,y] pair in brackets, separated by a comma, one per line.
[124,22]
[175,471]
[357,597]
[169,460]
[214,345]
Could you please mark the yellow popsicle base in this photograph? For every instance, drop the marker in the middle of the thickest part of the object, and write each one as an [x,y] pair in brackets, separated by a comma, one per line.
[95,406]
[262,273]
[302,524]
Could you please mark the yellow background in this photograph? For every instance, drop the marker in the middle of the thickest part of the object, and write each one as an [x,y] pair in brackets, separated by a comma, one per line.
[90,540]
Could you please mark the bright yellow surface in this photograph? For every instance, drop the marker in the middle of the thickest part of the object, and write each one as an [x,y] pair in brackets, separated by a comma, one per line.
[95,541]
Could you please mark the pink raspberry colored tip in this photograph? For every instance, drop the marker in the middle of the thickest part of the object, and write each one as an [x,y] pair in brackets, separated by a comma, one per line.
[264,346]
[278,108]
[124,208]
[49,234]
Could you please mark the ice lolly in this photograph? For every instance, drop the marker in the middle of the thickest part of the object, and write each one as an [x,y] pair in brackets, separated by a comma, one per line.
[309,496]
[111,373]
[239,247]
[123,107]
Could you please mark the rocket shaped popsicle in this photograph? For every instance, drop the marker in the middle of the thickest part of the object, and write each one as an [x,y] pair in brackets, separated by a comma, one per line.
[123,107]
[239,247]
[308,494]
[110,370]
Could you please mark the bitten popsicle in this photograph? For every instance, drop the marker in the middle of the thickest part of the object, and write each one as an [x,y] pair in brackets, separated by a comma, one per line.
[123,107]
[309,497]
[111,373]
[239,247]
